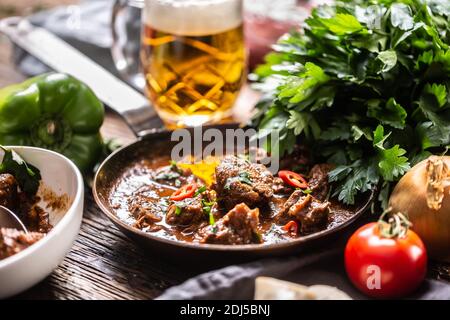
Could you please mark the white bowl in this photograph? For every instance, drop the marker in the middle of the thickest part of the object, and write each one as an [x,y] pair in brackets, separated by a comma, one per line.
[26,268]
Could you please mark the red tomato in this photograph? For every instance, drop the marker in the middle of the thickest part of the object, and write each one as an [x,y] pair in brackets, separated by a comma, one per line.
[385,267]
[293,179]
[184,192]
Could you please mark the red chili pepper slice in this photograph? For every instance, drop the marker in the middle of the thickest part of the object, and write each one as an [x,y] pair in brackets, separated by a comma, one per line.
[293,179]
[291,227]
[184,192]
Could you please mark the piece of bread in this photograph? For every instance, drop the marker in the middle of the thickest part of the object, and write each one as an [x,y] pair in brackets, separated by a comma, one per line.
[273,289]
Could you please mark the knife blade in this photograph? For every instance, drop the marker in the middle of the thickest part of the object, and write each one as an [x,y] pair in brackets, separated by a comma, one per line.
[134,107]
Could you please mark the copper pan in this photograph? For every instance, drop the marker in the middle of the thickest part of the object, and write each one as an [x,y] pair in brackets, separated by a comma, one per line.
[159,143]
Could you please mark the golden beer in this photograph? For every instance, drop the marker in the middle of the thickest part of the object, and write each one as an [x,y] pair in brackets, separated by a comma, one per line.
[193,59]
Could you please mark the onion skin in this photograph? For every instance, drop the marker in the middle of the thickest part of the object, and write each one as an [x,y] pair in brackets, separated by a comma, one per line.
[432,226]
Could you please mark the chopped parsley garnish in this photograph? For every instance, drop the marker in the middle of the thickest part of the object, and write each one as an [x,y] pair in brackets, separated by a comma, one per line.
[178,210]
[212,221]
[174,167]
[200,190]
[243,177]
[207,203]
[306,191]
[167,176]
[207,210]
[177,183]
[207,206]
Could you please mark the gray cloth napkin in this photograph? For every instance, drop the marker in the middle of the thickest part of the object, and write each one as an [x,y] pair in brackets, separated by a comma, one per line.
[234,282]
[325,267]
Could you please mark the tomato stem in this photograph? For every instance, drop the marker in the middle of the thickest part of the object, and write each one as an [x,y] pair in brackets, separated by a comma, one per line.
[396,226]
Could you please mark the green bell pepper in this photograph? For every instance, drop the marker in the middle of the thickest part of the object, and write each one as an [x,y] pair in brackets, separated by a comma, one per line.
[53,111]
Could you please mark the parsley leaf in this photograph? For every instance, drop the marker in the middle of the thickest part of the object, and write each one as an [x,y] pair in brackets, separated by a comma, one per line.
[393,163]
[200,190]
[174,167]
[299,88]
[28,177]
[358,177]
[243,177]
[303,122]
[379,138]
[342,24]
[339,130]
[212,221]
[439,92]
[207,209]
[392,113]
[167,176]
[389,60]
[401,16]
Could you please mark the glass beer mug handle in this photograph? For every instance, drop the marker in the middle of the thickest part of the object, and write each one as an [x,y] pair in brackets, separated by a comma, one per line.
[126,33]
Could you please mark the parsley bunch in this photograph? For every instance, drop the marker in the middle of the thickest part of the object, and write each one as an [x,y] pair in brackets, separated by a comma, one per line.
[366,83]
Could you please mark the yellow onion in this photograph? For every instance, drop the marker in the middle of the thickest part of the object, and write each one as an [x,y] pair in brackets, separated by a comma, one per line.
[423,193]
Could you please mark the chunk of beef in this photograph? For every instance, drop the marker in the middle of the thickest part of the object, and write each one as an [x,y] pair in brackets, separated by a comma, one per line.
[185,212]
[280,187]
[310,212]
[190,210]
[318,180]
[238,226]
[238,180]
[8,191]
[13,241]
[37,219]
[174,176]
[146,206]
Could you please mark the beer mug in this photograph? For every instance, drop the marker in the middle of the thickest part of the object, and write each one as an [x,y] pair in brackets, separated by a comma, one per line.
[192,57]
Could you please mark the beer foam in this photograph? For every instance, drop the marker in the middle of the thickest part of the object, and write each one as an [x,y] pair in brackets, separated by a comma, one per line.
[193,17]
